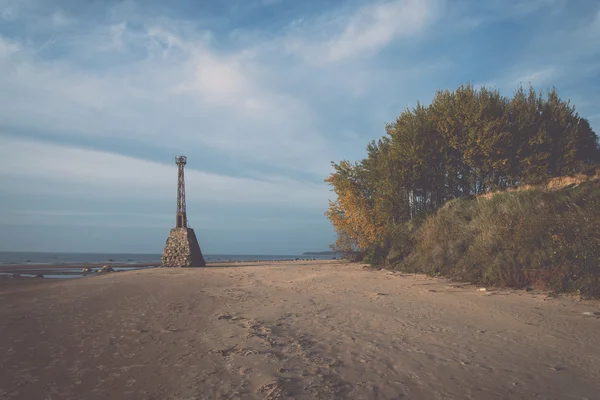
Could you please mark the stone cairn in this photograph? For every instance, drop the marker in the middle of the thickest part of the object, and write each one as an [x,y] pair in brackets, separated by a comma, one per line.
[182,248]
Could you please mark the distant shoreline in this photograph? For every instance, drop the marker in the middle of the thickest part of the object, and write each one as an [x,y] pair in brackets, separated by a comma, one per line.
[40,266]
[76,267]
[41,259]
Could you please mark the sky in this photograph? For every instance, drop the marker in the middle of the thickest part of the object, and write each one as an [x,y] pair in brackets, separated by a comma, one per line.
[98,97]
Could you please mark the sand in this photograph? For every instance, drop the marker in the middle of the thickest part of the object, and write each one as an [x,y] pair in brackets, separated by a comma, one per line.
[293,330]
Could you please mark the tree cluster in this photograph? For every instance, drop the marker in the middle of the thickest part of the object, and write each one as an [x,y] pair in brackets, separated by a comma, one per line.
[466,142]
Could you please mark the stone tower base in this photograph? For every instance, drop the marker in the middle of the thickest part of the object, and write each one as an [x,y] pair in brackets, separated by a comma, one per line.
[182,249]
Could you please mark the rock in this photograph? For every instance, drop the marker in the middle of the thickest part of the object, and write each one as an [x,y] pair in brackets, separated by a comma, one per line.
[592,313]
[482,289]
[86,270]
[39,276]
[106,269]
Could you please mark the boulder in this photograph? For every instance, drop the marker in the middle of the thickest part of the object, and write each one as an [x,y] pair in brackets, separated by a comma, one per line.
[86,270]
[106,269]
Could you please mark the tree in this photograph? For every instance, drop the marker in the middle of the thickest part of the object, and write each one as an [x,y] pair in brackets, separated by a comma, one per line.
[466,142]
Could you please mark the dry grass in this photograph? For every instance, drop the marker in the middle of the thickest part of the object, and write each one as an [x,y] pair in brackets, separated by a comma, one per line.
[552,184]
[546,237]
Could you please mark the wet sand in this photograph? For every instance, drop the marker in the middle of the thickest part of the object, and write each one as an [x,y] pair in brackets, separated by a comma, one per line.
[58,269]
[291,330]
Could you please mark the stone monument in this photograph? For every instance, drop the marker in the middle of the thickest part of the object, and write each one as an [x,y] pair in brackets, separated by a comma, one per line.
[182,248]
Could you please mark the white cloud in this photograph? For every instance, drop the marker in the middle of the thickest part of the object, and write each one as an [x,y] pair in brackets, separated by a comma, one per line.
[169,90]
[158,81]
[37,217]
[60,19]
[559,57]
[362,32]
[219,81]
[9,10]
[8,47]
[115,37]
[376,25]
[38,168]
[539,79]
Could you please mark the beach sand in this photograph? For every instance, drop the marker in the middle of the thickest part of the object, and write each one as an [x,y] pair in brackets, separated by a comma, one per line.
[291,330]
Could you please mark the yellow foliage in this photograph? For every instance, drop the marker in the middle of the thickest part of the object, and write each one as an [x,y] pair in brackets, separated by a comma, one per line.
[357,223]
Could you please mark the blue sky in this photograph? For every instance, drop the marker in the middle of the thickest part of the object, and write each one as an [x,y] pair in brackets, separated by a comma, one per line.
[96,99]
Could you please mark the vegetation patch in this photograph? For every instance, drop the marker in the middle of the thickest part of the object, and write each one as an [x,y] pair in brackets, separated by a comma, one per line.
[480,187]
[547,240]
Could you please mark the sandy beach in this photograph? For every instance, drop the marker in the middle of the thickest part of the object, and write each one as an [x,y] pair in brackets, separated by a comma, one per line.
[291,330]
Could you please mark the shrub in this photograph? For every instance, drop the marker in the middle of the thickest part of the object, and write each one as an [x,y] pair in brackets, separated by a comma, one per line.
[546,239]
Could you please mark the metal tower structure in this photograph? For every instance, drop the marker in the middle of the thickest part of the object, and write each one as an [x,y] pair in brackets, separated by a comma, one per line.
[181,215]
[182,248]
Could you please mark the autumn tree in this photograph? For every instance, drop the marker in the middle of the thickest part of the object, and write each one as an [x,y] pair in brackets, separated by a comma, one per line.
[467,141]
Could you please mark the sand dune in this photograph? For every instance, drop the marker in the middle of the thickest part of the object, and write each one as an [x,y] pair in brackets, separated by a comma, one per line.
[295,330]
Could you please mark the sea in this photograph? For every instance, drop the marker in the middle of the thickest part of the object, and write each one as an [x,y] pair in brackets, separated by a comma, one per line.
[25,258]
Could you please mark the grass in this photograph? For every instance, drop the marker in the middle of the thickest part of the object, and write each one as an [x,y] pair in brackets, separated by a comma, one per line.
[547,239]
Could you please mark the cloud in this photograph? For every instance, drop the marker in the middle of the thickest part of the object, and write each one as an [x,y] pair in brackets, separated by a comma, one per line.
[8,48]
[34,217]
[364,31]
[540,78]
[217,81]
[116,219]
[562,54]
[60,19]
[8,14]
[42,169]
[137,82]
